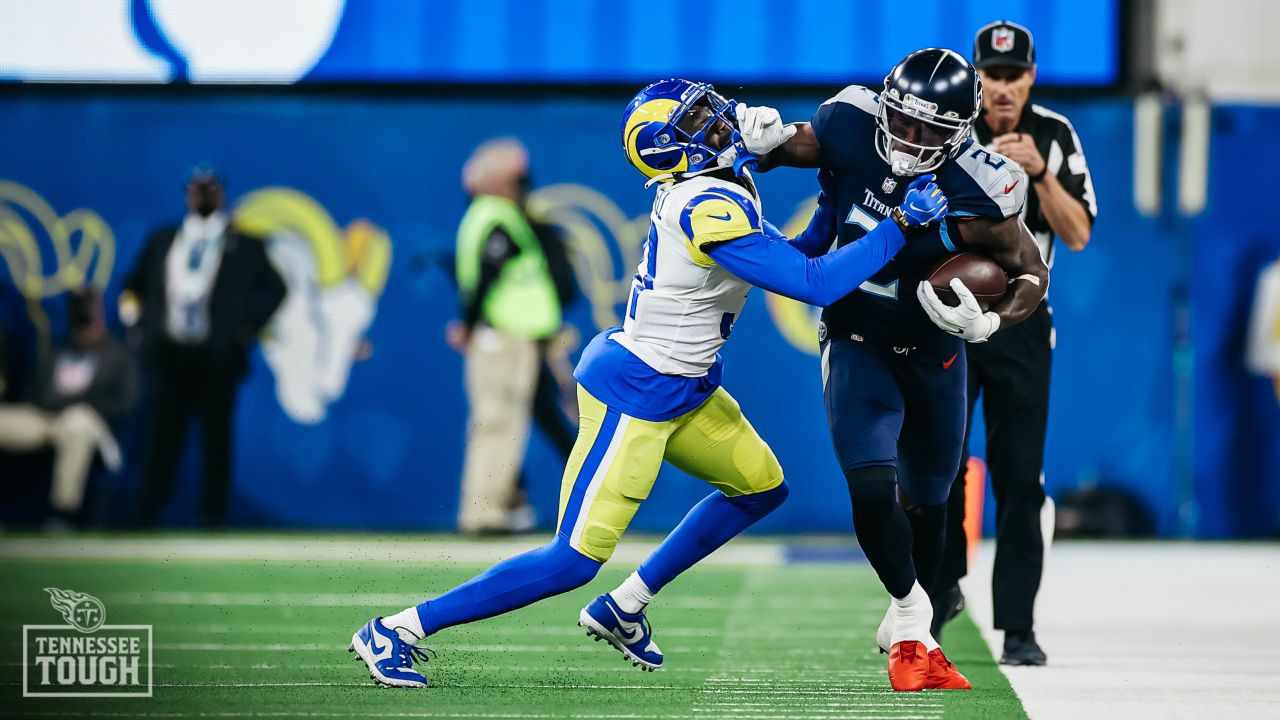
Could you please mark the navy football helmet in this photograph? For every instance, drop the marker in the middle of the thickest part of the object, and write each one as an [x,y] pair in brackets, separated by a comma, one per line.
[927,109]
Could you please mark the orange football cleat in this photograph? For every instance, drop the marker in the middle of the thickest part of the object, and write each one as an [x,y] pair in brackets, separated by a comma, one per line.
[908,666]
[943,674]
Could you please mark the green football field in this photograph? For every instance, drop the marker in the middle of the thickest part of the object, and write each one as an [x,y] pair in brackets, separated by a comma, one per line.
[253,638]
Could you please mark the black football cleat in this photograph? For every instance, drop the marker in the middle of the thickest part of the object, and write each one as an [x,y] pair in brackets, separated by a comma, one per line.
[1021,648]
[947,604]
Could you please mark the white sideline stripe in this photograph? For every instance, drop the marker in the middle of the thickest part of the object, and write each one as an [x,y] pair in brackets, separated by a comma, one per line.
[465,648]
[821,692]
[845,711]
[566,632]
[429,551]
[816,693]
[829,675]
[372,600]
[771,706]
[177,632]
[514,716]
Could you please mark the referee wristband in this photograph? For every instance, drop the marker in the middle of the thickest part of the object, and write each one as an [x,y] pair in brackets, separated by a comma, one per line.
[1040,175]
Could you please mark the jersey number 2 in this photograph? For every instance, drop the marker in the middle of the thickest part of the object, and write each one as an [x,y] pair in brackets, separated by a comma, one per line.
[863,219]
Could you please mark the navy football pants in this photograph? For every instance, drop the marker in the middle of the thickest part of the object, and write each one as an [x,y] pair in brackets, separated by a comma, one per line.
[897,419]
[897,409]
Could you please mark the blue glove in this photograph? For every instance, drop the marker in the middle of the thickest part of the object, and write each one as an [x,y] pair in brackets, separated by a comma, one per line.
[924,203]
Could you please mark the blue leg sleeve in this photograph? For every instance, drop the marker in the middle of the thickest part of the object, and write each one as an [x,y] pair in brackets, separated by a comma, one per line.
[513,583]
[710,524]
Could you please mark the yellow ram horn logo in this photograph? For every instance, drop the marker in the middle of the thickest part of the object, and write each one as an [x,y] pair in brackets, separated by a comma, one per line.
[335,277]
[84,249]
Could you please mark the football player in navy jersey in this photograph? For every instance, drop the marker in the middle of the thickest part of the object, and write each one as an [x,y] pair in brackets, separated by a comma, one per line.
[893,356]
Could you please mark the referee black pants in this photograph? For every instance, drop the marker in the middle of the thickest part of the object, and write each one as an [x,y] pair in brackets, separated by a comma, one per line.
[1011,373]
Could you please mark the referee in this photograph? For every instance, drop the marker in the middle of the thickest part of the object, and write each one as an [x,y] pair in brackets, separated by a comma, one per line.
[1012,370]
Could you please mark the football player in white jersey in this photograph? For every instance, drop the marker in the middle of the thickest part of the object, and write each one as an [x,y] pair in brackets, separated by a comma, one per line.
[650,391]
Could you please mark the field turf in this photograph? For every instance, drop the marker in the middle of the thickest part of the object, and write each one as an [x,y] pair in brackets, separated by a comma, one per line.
[267,639]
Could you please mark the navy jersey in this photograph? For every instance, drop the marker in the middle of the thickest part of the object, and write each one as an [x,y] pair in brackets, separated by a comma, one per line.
[978,183]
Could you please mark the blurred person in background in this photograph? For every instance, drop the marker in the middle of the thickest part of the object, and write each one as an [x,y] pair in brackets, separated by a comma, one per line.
[79,390]
[4,367]
[200,294]
[555,407]
[512,294]
[1011,372]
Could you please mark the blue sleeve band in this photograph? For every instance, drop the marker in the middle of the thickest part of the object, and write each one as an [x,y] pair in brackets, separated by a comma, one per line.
[780,268]
[946,236]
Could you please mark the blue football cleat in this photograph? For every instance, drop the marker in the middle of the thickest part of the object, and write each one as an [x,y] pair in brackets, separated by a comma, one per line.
[389,659]
[629,632]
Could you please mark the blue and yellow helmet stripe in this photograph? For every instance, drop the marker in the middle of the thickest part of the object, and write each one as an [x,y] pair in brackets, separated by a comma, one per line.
[651,138]
[648,138]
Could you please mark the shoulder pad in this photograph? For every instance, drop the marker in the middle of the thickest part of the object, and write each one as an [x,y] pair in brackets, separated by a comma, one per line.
[859,96]
[717,214]
[1002,180]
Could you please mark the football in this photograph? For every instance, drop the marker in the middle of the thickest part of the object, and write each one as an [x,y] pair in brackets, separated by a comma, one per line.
[984,278]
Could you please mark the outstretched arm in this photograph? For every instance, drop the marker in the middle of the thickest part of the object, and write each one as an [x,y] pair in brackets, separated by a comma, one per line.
[780,267]
[817,237]
[802,150]
[769,260]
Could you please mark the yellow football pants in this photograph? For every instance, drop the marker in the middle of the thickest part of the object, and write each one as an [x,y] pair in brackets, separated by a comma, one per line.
[617,457]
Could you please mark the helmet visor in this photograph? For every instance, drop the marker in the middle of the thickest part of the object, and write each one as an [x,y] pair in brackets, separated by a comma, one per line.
[704,122]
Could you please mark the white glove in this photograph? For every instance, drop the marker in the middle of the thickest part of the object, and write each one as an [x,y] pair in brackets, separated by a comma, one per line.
[967,320]
[761,128]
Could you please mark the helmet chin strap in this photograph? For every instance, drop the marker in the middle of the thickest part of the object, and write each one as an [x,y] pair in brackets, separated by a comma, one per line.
[906,164]
[903,164]
[657,179]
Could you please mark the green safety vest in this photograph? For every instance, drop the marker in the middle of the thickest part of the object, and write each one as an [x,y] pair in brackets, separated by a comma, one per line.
[522,301]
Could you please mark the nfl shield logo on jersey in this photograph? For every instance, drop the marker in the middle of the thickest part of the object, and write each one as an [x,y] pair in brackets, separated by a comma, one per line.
[888,185]
[1002,39]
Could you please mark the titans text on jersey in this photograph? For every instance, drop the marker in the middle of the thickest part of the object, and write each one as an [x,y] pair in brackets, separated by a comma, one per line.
[978,183]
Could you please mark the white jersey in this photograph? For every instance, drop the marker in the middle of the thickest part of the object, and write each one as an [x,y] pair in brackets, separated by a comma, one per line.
[682,304]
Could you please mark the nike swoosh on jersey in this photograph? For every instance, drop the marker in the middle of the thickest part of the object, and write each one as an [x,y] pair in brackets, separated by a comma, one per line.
[946,364]
[726,216]
[1007,188]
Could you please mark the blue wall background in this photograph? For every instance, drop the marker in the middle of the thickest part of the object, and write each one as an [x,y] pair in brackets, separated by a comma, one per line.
[635,40]
[390,452]
[564,41]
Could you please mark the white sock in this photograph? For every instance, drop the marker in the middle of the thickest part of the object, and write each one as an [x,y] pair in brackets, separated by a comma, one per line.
[632,595]
[407,625]
[912,616]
